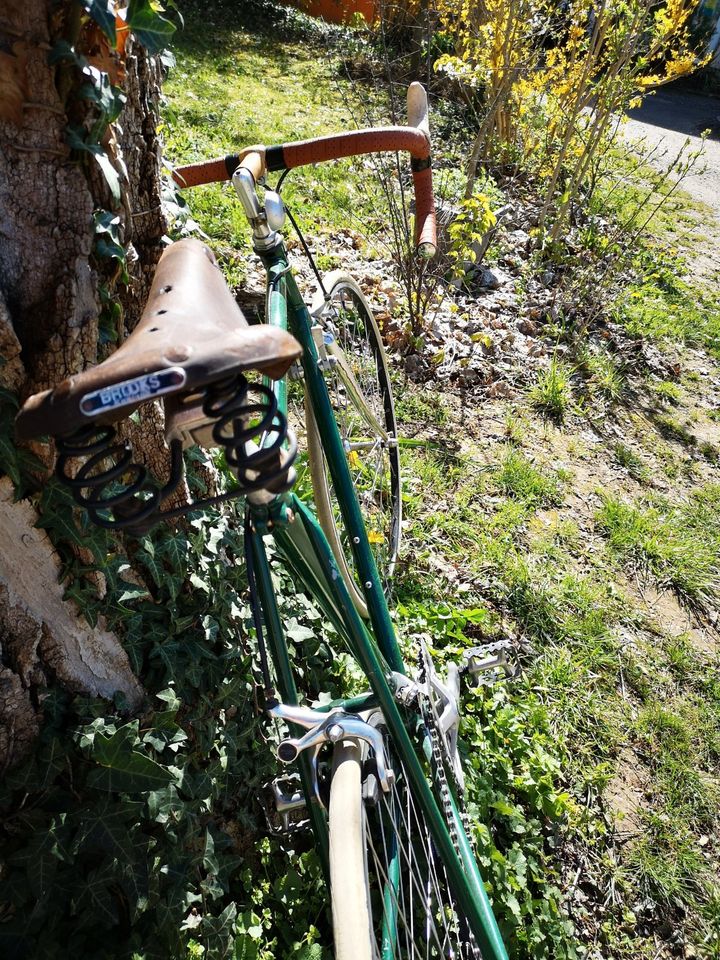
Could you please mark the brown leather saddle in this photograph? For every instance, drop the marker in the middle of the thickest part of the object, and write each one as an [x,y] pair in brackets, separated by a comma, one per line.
[192,334]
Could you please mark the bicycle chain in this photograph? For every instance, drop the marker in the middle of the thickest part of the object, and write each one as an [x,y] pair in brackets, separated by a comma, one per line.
[440,762]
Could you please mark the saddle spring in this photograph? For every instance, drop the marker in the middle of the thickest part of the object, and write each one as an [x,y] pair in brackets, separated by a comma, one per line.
[119,493]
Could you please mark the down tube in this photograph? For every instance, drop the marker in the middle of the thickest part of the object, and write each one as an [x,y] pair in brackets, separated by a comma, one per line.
[342,482]
[304,541]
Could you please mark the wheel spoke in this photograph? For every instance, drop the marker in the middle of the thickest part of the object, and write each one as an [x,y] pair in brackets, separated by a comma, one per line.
[360,394]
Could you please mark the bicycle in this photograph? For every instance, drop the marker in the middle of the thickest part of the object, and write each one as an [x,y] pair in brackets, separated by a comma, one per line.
[385,809]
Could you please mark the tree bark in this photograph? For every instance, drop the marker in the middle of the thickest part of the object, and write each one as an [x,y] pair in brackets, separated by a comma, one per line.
[50,305]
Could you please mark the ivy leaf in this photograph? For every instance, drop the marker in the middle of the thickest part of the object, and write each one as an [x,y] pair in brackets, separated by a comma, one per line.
[103,13]
[174,548]
[40,858]
[210,861]
[61,524]
[110,173]
[124,769]
[219,931]
[155,569]
[95,894]
[8,458]
[63,50]
[151,29]
[296,631]
[107,826]
[75,137]
[197,582]
[131,591]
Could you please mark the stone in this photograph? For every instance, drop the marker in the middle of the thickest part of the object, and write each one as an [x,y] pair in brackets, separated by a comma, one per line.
[492,279]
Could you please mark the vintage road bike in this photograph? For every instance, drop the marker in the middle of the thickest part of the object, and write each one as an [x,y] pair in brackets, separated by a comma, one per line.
[378,775]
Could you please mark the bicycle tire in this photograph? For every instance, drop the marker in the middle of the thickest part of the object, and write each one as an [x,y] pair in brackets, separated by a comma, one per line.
[374,917]
[347,319]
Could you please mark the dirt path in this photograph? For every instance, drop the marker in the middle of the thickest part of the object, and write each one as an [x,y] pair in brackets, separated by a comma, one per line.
[668,119]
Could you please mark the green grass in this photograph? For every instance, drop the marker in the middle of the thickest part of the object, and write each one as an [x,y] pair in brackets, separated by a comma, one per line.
[517,477]
[665,308]
[418,408]
[551,394]
[678,545]
[632,462]
[671,428]
[587,689]
[666,391]
[234,86]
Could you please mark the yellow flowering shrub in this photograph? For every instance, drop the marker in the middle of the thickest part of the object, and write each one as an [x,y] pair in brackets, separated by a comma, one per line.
[554,79]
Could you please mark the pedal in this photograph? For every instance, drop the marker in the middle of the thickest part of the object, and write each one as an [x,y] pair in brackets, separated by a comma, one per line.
[284,805]
[491,662]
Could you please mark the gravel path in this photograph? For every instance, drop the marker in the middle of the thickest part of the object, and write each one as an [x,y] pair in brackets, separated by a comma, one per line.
[668,119]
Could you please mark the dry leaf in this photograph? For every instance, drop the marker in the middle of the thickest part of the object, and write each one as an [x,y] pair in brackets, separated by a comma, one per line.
[13,83]
[96,48]
[122,31]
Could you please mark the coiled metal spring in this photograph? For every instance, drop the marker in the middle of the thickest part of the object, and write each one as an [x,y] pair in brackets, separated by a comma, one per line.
[119,493]
[253,433]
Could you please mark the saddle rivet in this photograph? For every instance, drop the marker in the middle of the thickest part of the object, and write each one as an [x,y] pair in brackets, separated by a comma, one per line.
[177,354]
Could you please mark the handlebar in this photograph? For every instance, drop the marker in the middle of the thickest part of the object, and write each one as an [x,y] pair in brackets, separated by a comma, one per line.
[415,138]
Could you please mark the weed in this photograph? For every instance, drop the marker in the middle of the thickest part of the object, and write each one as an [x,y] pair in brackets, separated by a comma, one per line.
[551,394]
[514,428]
[605,374]
[633,462]
[709,451]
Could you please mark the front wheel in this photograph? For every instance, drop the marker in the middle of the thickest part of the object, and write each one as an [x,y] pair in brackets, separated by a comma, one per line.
[358,384]
[390,891]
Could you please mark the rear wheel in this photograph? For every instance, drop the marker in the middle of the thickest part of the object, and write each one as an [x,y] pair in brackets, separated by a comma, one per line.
[390,891]
[358,384]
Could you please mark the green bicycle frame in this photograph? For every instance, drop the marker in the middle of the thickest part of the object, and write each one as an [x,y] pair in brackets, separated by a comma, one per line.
[308,554]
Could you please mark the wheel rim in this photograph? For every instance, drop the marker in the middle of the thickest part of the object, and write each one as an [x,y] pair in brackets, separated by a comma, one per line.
[373,460]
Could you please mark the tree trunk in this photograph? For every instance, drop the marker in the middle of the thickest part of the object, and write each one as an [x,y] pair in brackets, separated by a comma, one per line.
[56,292]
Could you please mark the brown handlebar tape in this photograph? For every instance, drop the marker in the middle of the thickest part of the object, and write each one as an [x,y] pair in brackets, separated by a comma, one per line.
[291,155]
[377,140]
[208,171]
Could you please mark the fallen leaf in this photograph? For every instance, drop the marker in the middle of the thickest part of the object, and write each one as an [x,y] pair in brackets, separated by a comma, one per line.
[13,83]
